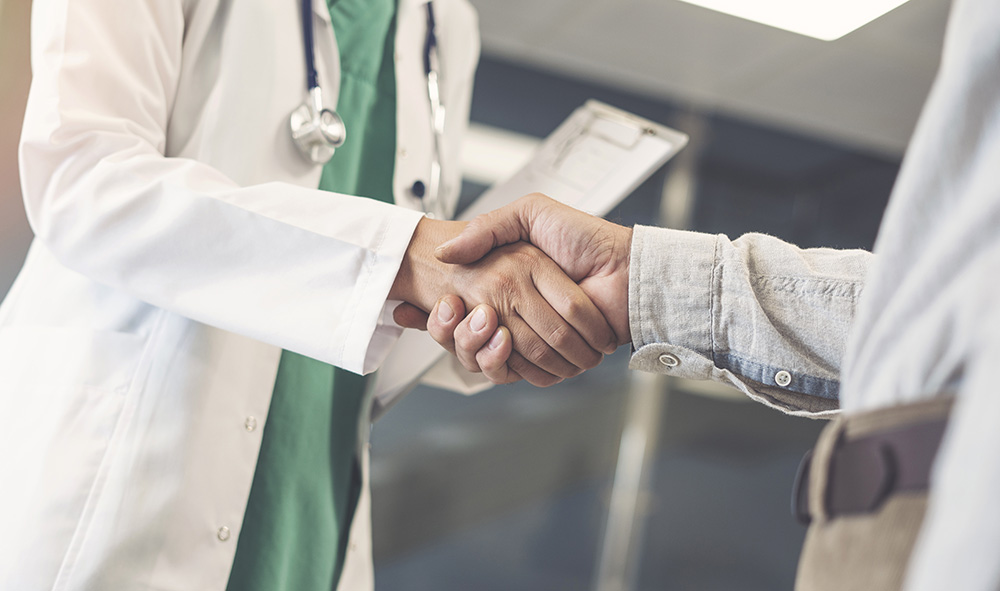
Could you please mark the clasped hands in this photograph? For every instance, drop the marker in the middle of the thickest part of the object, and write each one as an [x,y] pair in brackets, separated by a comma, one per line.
[535,290]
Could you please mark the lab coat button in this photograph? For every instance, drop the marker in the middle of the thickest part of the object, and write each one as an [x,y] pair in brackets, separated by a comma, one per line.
[402,153]
[223,533]
[782,378]
[250,424]
[669,360]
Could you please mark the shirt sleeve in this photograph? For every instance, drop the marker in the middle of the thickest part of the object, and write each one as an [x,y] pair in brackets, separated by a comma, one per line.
[960,538]
[756,313]
[291,266]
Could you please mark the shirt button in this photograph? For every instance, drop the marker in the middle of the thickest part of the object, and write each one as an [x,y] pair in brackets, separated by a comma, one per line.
[418,189]
[782,378]
[669,360]
[250,424]
[223,533]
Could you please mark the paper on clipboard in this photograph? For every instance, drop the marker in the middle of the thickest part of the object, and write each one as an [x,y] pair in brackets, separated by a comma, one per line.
[595,159]
[598,156]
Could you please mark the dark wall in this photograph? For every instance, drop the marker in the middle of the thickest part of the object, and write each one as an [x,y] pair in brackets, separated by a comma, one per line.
[750,177]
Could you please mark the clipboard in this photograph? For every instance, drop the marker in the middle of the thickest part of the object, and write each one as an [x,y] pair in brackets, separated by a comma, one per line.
[598,156]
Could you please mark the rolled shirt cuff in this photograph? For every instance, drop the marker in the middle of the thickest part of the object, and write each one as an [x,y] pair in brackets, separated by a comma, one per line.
[670,289]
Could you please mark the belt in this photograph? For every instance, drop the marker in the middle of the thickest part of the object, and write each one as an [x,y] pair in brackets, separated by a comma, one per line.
[866,471]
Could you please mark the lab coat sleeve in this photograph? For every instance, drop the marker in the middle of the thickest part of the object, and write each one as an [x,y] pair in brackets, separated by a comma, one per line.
[756,313]
[295,267]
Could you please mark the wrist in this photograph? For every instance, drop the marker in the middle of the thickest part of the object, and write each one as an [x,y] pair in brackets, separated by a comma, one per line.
[422,279]
[623,257]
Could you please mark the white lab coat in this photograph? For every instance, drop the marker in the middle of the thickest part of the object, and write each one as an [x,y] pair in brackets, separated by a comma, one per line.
[181,244]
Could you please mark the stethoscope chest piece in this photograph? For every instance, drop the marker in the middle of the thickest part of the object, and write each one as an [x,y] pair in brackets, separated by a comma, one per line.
[317,131]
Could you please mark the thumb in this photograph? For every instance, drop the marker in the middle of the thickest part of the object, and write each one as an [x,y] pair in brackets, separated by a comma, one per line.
[486,232]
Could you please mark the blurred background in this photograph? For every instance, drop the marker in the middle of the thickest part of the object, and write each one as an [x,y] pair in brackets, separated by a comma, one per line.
[526,489]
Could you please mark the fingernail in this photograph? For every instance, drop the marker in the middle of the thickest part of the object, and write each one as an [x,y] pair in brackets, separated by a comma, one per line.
[478,321]
[496,341]
[445,312]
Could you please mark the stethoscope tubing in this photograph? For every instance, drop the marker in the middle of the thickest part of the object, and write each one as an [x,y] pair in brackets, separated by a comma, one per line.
[430,203]
[312,78]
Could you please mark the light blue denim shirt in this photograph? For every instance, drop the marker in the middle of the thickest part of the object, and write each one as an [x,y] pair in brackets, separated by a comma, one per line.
[757,313]
[811,331]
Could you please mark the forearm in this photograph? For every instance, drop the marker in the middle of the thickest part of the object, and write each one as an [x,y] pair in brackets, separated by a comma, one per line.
[743,312]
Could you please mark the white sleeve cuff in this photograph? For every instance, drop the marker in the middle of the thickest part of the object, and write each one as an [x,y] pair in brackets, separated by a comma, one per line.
[371,332]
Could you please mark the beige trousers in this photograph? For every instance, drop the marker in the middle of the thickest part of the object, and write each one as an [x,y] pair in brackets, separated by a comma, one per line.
[867,552]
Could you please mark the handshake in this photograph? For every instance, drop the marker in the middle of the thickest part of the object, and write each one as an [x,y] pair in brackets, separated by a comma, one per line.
[536,290]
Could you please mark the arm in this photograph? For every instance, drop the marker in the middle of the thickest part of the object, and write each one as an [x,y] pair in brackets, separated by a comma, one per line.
[291,266]
[737,312]
[295,267]
[742,312]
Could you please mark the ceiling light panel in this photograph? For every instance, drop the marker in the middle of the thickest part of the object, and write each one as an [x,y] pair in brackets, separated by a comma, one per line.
[822,19]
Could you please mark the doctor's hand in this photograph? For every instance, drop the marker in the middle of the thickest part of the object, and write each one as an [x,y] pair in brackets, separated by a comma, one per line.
[554,330]
[592,251]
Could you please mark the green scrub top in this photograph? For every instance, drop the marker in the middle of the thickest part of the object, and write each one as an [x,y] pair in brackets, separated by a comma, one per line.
[307,481]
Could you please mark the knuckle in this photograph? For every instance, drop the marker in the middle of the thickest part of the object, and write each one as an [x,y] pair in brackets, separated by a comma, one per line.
[574,305]
[499,380]
[547,358]
[539,353]
[465,342]
[536,197]
[503,283]
[497,374]
[468,361]
[561,337]
[470,365]
[490,361]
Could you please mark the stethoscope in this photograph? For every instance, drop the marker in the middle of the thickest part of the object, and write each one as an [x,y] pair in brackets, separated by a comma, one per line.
[319,131]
